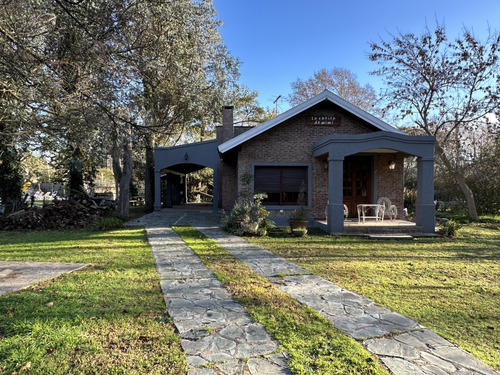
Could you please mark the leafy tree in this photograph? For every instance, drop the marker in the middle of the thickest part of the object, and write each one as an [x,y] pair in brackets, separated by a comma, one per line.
[10,177]
[16,63]
[183,73]
[36,169]
[340,81]
[49,57]
[88,78]
[247,110]
[442,86]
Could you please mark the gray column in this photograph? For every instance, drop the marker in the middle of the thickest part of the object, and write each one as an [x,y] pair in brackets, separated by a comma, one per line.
[215,204]
[157,205]
[425,212]
[335,220]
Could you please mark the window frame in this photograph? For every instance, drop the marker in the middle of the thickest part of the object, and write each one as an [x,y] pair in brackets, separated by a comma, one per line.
[308,166]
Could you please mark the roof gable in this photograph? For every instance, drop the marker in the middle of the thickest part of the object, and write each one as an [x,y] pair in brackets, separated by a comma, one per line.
[325,95]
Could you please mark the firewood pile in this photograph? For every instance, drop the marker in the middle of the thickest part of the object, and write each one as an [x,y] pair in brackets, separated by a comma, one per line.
[73,213]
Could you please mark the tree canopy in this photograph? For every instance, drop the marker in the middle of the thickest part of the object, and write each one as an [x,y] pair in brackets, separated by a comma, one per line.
[443,87]
[82,79]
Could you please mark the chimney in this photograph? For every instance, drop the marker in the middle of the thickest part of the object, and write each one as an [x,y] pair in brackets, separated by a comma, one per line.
[227,123]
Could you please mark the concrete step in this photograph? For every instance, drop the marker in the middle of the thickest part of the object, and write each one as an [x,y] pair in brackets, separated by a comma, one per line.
[380,229]
[395,236]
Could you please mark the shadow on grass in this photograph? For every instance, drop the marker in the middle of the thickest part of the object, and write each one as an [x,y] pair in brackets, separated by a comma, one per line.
[109,317]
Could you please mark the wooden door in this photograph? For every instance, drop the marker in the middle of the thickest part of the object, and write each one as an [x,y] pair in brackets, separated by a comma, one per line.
[357,183]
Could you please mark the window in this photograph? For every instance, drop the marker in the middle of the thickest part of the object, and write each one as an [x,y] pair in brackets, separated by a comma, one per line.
[284,185]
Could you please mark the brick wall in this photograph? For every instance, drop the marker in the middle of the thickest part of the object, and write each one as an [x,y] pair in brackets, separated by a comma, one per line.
[389,183]
[227,175]
[291,142]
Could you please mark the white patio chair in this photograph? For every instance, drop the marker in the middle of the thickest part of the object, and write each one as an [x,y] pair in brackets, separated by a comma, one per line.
[389,208]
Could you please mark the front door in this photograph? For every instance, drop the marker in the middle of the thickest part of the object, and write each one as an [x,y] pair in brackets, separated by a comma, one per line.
[357,182]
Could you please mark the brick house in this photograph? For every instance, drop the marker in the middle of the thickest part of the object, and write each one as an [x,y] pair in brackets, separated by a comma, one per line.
[325,150]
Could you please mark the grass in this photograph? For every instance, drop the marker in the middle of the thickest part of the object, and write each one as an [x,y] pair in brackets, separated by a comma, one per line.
[314,345]
[109,317]
[449,285]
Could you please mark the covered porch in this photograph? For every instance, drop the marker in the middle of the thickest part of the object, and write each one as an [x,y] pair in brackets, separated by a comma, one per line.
[334,149]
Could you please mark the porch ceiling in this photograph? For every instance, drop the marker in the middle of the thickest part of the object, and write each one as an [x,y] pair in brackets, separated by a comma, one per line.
[185,168]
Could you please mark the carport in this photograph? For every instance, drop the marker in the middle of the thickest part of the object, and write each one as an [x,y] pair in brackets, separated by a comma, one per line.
[185,159]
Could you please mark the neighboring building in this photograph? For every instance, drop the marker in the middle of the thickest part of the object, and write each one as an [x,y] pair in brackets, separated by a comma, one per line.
[325,150]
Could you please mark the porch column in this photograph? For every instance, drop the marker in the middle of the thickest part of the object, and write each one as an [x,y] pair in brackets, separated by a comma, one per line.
[425,212]
[157,205]
[215,199]
[335,220]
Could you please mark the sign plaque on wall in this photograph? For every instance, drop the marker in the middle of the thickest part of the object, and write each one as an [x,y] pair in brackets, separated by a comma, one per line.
[323,120]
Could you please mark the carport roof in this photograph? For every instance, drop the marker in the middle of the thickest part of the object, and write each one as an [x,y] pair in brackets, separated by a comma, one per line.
[324,96]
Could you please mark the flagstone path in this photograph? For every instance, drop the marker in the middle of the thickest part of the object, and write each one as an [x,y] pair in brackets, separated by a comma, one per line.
[214,329]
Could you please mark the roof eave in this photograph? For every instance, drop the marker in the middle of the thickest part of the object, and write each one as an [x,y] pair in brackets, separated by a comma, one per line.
[325,95]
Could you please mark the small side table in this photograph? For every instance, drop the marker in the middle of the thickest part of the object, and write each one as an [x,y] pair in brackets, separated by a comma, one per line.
[377,208]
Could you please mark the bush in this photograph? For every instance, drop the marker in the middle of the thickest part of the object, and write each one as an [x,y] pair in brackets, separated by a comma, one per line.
[248,217]
[450,228]
[109,223]
[410,199]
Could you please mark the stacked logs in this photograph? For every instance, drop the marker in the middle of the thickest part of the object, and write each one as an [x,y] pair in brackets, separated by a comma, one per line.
[73,213]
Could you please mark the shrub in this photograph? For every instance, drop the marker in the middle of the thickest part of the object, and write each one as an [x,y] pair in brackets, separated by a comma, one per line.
[109,223]
[248,217]
[450,228]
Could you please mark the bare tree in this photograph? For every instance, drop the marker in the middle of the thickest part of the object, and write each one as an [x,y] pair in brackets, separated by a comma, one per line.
[340,81]
[441,86]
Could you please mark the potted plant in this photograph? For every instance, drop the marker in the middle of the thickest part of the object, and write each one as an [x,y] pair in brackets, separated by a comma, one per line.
[298,218]
[299,232]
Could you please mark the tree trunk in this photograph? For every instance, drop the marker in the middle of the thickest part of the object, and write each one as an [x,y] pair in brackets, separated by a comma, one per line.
[459,177]
[124,195]
[149,183]
[116,156]
[10,176]
[75,167]
[117,168]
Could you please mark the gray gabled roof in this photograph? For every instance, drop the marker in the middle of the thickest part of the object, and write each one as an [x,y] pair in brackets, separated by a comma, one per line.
[325,95]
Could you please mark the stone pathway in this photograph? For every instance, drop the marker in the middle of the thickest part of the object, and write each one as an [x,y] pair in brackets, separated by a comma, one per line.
[217,335]
[402,345]
[214,328]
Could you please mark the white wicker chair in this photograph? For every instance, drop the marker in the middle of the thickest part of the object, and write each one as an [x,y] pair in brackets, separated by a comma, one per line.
[389,209]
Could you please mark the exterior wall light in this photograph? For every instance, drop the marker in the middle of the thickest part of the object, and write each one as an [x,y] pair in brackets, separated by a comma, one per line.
[186,156]
[392,164]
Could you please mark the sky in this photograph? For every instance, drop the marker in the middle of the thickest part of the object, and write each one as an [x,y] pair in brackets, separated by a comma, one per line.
[279,41]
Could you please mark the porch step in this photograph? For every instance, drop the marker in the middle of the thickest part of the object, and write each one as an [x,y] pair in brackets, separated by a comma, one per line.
[388,230]
[395,236]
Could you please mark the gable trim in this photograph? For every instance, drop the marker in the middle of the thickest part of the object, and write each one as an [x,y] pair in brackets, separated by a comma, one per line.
[325,95]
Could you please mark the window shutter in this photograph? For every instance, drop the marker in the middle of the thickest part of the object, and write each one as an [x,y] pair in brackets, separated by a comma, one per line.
[294,179]
[267,179]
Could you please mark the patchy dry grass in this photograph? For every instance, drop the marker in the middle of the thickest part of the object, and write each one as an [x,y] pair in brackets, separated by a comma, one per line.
[451,286]
[107,318]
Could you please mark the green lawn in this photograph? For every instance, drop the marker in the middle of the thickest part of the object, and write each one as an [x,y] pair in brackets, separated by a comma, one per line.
[108,318]
[449,285]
